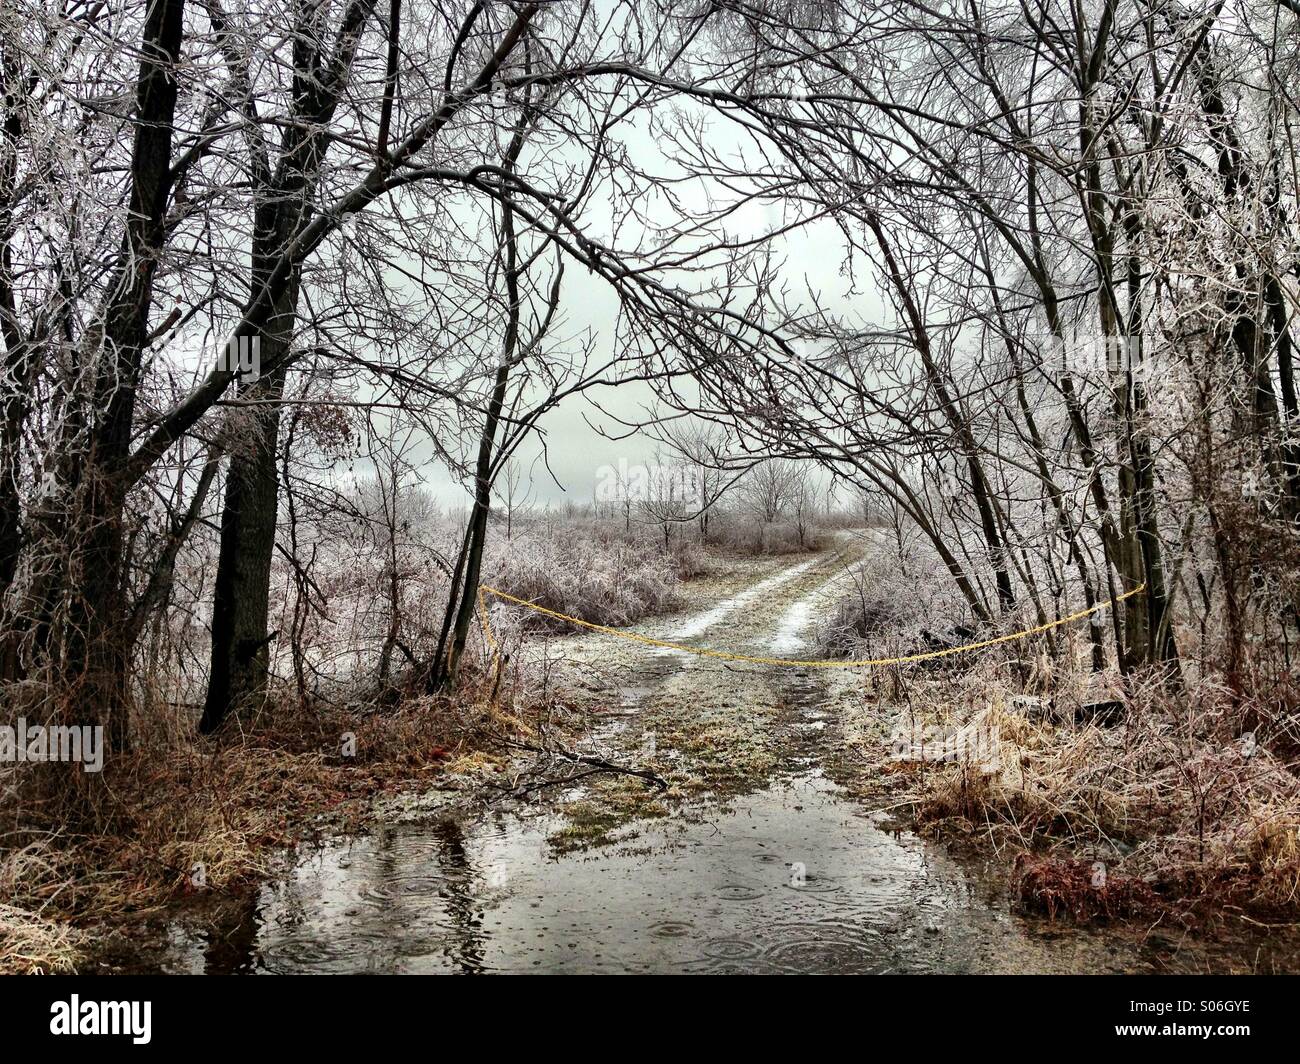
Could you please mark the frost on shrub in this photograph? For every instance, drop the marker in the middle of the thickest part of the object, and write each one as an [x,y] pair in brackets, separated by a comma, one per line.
[596,578]
[892,602]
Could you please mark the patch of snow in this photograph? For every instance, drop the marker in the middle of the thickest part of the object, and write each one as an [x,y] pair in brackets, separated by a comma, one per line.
[791,637]
[702,622]
[789,631]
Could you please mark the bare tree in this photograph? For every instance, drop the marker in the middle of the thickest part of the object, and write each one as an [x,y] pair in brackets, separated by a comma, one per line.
[514,493]
[768,490]
[704,450]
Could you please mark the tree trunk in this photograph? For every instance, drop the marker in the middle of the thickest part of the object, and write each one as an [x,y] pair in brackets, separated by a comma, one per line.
[483,470]
[241,598]
[240,653]
[96,657]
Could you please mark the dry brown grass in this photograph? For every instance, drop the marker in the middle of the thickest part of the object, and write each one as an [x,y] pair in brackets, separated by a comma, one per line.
[1081,889]
[1186,814]
[186,815]
[32,945]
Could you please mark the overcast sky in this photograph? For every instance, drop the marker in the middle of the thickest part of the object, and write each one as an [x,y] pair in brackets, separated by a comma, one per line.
[576,450]
[583,434]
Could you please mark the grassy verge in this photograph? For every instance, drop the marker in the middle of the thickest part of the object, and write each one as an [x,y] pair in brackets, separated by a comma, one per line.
[207,817]
[1171,810]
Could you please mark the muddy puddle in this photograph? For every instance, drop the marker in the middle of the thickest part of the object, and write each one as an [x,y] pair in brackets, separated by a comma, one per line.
[791,879]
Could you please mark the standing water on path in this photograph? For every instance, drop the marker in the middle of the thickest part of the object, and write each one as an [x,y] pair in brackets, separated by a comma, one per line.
[792,879]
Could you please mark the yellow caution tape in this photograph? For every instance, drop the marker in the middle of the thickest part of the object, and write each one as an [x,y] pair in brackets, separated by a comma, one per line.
[726,655]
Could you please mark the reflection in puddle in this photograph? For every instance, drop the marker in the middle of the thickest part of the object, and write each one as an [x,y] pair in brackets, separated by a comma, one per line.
[716,895]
